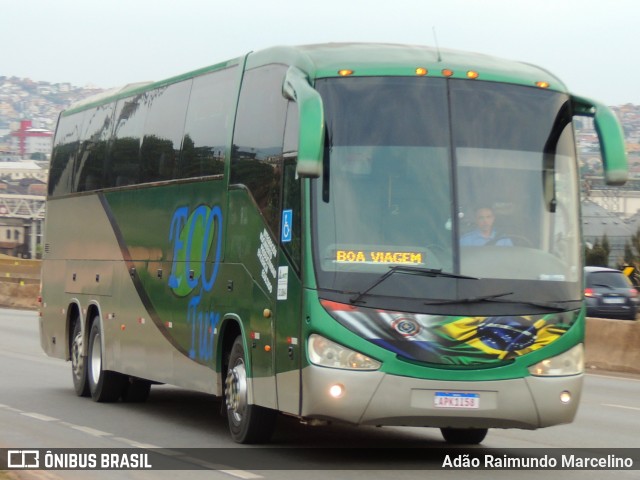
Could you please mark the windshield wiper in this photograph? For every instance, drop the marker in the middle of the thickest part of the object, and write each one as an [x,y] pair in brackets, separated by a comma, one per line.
[553,306]
[428,272]
[484,298]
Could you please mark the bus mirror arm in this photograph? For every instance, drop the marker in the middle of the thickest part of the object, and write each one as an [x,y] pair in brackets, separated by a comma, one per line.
[296,87]
[611,136]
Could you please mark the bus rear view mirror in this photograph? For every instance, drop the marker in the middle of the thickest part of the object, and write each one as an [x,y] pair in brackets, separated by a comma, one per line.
[610,135]
[296,87]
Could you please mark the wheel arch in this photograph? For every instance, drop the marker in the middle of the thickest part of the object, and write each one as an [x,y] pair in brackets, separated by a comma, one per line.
[94,311]
[75,313]
[229,329]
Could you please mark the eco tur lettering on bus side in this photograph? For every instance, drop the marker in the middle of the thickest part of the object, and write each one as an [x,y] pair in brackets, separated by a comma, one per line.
[192,235]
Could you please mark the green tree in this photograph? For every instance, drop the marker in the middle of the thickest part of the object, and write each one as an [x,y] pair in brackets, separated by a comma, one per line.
[596,256]
[632,255]
[634,247]
[630,258]
[606,246]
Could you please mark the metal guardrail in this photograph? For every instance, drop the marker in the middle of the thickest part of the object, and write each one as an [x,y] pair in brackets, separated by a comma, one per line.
[20,281]
[19,271]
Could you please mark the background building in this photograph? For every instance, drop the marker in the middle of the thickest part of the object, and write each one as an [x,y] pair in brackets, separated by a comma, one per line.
[31,143]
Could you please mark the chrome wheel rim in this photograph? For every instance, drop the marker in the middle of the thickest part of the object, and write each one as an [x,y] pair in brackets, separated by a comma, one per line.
[76,355]
[236,388]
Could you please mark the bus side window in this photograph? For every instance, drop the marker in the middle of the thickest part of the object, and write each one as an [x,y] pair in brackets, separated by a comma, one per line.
[65,151]
[256,160]
[209,120]
[123,161]
[163,130]
[96,130]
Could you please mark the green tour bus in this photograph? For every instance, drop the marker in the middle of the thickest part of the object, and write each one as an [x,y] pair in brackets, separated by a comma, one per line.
[361,233]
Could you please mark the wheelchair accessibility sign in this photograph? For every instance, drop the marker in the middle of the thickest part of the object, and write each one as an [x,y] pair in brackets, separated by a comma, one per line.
[287,222]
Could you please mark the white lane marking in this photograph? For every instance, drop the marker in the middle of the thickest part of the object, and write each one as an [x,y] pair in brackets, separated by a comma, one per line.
[228,470]
[91,431]
[627,407]
[39,416]
[11,409]
[133,443]
[241,474]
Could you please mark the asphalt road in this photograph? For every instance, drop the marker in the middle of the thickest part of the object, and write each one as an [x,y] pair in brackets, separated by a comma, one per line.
[38,409]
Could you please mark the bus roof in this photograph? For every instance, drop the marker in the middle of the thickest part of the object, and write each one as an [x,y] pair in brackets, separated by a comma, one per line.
[363,59]
[326,60]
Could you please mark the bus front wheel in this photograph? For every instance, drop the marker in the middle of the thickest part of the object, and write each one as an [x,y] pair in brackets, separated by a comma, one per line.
[104,385]
[247,423]
[464,436]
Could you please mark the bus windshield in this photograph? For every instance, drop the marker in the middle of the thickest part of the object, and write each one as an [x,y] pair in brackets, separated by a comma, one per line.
[477,179]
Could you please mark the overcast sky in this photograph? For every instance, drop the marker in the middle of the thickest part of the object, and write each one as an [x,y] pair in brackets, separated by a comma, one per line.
[592,45]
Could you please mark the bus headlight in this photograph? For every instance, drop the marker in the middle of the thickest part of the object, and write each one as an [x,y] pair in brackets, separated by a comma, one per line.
[326,353]
[570,362]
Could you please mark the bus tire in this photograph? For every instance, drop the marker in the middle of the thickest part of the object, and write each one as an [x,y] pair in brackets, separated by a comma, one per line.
[247,423]
[78,361]
[464,436]
[136,390]
[105,386]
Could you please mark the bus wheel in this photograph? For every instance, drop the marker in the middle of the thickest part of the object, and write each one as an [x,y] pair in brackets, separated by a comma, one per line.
[247,423]
[464,436]
[105,386]
[135,390]
[78,362]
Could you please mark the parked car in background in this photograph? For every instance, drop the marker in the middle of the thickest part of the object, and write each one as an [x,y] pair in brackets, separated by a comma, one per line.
[609,294]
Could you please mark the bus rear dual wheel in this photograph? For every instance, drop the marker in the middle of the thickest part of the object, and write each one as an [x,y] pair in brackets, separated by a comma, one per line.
[89,377]
[78,362]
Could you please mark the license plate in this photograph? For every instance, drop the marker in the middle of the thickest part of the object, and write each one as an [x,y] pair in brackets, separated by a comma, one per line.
[613,300]
[456,400]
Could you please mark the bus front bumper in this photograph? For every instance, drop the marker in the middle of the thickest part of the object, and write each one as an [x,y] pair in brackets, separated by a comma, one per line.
[376,398]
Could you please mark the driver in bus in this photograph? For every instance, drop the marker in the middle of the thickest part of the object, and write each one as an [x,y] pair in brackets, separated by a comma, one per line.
[484,233]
